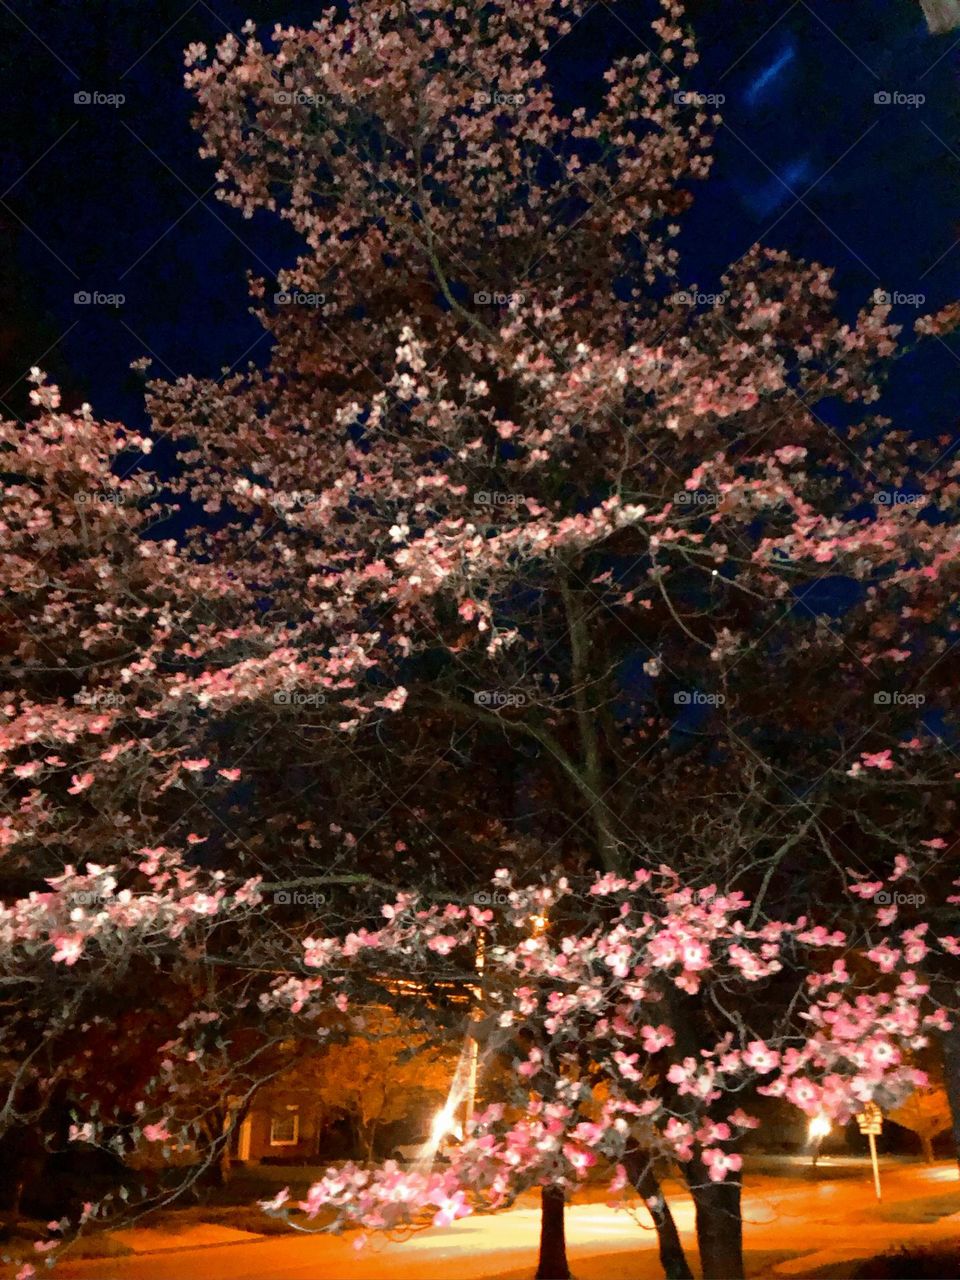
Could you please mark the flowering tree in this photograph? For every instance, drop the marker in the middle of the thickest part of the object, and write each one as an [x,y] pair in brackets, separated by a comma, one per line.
[641,1035]
[514,500]
[562,504]
[513,489]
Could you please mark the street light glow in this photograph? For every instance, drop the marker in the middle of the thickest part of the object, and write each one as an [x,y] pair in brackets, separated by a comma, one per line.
[819,1127]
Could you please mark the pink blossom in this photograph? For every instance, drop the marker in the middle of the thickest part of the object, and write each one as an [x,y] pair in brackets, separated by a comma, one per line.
[68,947]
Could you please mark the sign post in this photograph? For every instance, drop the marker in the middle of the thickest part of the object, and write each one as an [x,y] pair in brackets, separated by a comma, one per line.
[870,1121]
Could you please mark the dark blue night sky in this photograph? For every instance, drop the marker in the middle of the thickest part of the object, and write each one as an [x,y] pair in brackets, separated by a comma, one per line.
[116,199]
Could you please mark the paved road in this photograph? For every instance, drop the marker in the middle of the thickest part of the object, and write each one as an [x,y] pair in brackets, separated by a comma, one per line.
[794,1225]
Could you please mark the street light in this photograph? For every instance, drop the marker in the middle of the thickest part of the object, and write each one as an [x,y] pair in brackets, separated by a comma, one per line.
[817,1130]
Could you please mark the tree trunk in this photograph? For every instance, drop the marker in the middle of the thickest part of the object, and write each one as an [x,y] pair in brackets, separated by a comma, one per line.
[926,1145]
[951,1079]
[719,1225]
[672,1257]
[553,1244]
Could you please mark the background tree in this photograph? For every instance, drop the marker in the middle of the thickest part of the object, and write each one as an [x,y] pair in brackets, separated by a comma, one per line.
[653,547]
[925,1112]
[386,1071]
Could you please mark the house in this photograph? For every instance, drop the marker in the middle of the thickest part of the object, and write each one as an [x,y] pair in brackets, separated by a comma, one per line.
[283,1123]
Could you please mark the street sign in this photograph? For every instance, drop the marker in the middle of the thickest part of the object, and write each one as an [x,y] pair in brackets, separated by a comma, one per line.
[870,1121]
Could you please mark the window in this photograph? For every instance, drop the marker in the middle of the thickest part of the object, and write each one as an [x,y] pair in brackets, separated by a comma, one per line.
[285,1128]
